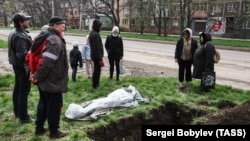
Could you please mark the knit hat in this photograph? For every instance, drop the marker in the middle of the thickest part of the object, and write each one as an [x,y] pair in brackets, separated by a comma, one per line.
[56,20]
[45,27]
[115,29]
[20,17]
[75,44]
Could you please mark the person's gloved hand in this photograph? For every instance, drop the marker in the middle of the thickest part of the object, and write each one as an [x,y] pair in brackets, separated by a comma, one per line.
[101,63]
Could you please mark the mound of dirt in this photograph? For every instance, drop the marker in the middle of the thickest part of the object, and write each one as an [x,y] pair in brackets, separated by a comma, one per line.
[129,128]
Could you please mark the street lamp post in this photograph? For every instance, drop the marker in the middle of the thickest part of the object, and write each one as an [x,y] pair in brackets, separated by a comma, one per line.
[80,16]
[88,22]
[53,8]
[80,20]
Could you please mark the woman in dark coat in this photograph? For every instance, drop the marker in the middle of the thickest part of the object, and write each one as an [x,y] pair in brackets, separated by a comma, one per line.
[203,56]
[114,48]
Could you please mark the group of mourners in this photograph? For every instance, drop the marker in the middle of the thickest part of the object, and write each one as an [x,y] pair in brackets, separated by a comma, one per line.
[188,53]
[44,63]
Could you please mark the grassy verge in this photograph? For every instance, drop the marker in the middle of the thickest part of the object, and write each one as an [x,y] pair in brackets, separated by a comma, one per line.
[171,38]
[238,43]
[157,90]
[3,44]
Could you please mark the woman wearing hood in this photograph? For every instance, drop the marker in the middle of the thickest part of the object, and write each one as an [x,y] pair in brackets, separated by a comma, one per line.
[184,52]
[203,57]
[96,49]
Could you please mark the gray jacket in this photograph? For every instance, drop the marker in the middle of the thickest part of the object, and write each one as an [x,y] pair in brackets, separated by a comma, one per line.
[52,75]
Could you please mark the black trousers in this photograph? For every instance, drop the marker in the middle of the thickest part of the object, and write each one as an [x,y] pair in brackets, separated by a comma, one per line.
[20,93]
[74,72]
[96,74]
[114,61]
[185,70]
[49,108]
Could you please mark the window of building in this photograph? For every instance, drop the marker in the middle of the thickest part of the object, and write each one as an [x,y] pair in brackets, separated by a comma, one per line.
[99,2]
[71,12]
[248,25]
[152,22]
[133,21]
[175,23]
[125,10]
[201,7]
[231,7]
[125,21]
[177,9]
[216,8]
[246,8]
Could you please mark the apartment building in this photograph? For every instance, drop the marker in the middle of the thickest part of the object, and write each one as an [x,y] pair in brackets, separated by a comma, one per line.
[228,18]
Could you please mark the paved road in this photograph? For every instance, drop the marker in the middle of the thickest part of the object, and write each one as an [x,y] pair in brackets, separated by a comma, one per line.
[232,70]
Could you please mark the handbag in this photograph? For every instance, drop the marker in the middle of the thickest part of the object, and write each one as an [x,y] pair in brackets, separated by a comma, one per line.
[208,79]
[122,67]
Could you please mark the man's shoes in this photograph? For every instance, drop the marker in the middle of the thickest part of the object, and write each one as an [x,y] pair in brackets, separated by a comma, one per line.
[27,120]
[40,131]
[181,85]
[16,115]
[57,135]
[96,86]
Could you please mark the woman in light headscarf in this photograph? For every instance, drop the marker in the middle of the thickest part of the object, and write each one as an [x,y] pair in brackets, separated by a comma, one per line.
[184,52]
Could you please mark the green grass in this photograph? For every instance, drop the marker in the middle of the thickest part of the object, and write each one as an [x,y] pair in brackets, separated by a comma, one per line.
[237,43]
[157,90]
[171,38]
[3,44]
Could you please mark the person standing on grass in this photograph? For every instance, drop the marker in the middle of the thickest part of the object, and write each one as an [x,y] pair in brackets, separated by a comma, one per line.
[184,52]
[96,47]
[86,57]
[203,57]
[19,44]
[75,60]
[114,48]
[51,77]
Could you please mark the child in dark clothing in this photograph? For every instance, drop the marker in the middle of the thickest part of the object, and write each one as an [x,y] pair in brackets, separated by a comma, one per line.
[75,60]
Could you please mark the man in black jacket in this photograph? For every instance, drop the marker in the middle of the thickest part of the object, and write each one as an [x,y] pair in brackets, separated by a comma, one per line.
[96,48]
[19,43]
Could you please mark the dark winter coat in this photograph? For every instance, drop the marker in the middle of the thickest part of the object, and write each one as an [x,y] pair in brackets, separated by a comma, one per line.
[203,57]
[180,45]
[52,74]
[114,46]
[95,41]
[18,47]
[75,57]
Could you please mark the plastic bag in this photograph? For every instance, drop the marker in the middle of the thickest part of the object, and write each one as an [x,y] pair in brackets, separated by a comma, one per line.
[122,67]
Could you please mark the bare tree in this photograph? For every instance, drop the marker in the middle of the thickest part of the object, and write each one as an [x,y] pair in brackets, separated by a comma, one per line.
[39,11]
[110,8]
[160,16]
[143,12]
